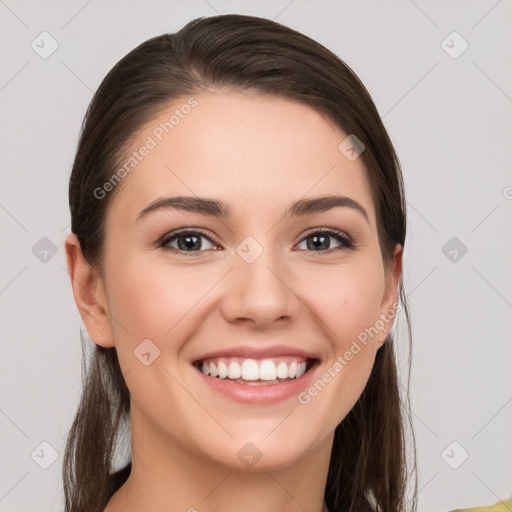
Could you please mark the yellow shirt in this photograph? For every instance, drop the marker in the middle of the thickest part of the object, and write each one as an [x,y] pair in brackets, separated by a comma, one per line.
[499,506]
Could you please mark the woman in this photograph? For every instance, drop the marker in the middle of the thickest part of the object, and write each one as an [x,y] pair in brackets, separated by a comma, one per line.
[238,225]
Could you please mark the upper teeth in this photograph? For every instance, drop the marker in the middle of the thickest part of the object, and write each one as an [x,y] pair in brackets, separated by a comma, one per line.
[251,369]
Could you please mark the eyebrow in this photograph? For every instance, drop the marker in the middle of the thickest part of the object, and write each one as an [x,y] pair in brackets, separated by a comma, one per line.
[215,208]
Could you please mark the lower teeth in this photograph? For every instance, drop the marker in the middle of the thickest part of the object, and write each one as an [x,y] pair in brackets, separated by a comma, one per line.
[256,382]
[259,382]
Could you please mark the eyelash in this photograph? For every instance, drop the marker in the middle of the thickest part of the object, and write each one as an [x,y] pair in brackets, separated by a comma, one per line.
[346,242]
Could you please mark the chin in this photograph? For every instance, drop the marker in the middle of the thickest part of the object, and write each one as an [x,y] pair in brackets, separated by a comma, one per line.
[256,453]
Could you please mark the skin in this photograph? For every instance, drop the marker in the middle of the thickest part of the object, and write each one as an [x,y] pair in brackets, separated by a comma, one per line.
[258,154]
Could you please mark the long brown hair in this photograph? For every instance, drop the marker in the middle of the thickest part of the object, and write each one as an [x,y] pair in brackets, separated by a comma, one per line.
[368,463]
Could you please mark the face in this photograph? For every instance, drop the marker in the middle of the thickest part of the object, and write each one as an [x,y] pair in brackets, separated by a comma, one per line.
[266,282]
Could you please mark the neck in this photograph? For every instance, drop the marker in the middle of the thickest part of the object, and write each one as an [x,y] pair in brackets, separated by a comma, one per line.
[169,476]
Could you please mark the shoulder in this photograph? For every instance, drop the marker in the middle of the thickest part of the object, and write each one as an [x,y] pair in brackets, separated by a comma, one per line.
[499,506]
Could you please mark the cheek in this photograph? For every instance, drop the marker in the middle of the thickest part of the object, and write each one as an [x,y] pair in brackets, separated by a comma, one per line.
[346,300]
[346,304]
[154,301]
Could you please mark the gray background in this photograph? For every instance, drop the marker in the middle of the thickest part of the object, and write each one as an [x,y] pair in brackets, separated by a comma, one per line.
[451,122]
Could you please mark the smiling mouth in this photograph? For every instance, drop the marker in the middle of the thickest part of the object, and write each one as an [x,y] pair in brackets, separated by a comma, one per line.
[254,372]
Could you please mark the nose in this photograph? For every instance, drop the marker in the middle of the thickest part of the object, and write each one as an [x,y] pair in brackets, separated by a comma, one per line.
[259,293]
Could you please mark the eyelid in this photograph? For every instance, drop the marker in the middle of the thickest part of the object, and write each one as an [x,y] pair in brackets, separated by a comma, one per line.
[328,230]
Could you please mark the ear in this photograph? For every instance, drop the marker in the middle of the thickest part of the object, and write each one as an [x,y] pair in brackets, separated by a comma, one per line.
[89,293]
[388,308]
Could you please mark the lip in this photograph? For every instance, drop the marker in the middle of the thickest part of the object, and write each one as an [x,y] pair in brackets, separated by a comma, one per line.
[248,352]
[258,395]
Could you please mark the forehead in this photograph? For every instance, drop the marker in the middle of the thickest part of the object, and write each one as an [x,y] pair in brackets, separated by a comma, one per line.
[249,150]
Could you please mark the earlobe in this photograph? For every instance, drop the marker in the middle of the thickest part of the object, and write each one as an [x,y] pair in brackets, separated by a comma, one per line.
[89,293]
